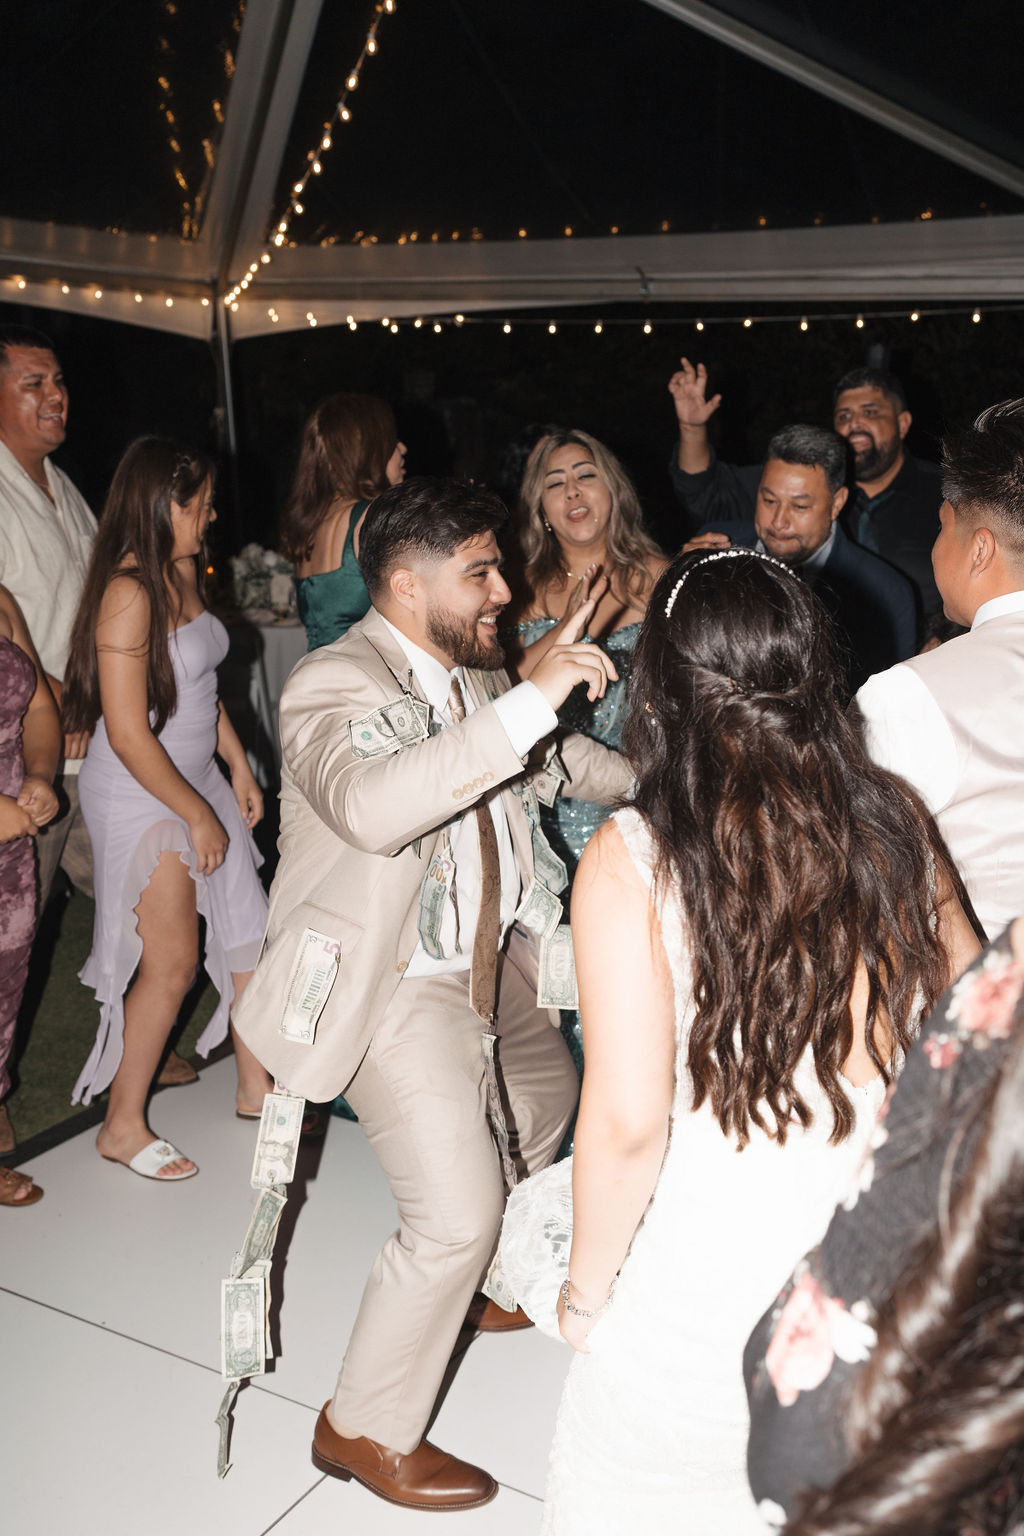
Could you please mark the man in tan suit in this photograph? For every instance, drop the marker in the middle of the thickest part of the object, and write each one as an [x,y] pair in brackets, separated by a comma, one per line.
[409,842]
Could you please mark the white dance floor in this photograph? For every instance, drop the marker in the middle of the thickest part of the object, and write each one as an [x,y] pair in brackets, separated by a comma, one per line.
[109,1317]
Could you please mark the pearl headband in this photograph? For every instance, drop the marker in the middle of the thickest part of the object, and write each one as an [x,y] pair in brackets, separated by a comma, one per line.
[720,554]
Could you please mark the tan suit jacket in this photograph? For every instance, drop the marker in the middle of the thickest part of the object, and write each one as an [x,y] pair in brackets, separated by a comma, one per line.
[357,836]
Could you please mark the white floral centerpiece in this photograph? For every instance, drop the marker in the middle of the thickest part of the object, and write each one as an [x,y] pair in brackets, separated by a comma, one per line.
[263,582]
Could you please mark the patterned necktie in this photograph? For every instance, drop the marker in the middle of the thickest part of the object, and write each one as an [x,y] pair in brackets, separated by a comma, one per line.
[484,966]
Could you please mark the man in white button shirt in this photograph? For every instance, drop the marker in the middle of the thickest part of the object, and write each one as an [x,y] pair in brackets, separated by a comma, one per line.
[951,722]
[381,865]
[46,535]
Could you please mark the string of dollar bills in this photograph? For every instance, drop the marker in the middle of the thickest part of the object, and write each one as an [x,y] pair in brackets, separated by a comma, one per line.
[245,1341]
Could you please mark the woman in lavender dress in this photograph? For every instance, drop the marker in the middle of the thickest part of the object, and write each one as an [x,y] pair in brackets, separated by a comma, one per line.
[171,837]
[29,748]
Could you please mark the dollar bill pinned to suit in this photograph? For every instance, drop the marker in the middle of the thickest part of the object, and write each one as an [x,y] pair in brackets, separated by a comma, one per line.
[242,1327]
[548,780]
[556,987]
[539,910]
[400,723]
[277,1145]
[549,869]
[313,975]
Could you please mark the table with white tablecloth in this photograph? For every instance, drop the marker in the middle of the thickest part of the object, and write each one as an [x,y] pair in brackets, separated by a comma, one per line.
[260,657]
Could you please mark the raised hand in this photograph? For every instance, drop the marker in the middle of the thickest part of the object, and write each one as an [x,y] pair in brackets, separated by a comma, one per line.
[688,389]
[571,662]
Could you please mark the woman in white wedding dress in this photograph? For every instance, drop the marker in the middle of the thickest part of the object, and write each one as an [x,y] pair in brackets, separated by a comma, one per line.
[757,938]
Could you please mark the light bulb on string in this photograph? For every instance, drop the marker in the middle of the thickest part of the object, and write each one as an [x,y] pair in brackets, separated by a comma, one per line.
[65,289]
[437,327]
[914,315]
[418,323]
[859,322]
[552,328]
[394,328]
[507,329]
[598,328]
[648,327]
[700,325]
[803,323]
[976,317]
[747,323]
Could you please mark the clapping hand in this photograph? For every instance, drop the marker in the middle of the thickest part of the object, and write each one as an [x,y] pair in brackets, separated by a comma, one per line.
[688,389]
[572,662]
[38,799]
[15,820]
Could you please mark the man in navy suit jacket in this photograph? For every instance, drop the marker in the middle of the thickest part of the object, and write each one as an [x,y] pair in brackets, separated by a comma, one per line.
[800,495]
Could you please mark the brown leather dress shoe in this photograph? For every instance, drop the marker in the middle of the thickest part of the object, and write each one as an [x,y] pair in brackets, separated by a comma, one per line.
[426,1478]
[487,1317]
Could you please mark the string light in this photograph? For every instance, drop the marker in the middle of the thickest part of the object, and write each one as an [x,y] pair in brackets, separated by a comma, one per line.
[748,322]
[700,325]
[507,328]
[598,328]
[914,315]
[976,317]
[648,327]
[803,323]
[437,326]
[325,141]
[552,328]
[394,329]
[192,203]
[859,322]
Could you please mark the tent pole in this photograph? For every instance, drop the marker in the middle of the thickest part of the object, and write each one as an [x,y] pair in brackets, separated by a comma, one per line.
[227,431]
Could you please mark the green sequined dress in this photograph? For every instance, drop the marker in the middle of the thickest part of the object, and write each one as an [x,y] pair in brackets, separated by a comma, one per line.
[570,824]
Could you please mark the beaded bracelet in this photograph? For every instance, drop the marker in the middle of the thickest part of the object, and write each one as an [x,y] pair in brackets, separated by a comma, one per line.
[580,1311]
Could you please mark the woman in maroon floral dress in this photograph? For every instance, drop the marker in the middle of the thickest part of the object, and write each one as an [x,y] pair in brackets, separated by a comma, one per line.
[891,1366]
[29,748]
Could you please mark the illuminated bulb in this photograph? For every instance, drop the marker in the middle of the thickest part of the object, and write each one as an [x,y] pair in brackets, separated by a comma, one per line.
[353,325]
[21,284]
[598,328]
[234,307]
[394,329]
[312,320]
[316,167]
[522,234]
[552,328]
[352,82]
[298,187]
[169,303]
[568,229]
[860,322]
[345,114]
[417,323]
[803,325]
[386,321]
[459,319]
[914,315]
[97,295]
[371,45]
[748,323]
[205,303]
[437,327]
[299,208]
[976,317]
[275,317]
[762,221]
[227,299]
[647,327]
[265,257]
[389,6]
[254,266]
[507,328]
[282,226]
[614,229]
[325,142]
[279,239]
[455,234]
[65,289]
[700,325]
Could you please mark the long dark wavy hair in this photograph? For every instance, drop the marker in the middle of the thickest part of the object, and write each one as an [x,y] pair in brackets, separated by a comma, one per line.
[346,445]
[135,539]
[796,858]
[936,1418]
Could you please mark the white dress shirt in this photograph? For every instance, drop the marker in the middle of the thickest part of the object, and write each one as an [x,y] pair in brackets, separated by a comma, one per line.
[526,716]
[951,722]
[44,552]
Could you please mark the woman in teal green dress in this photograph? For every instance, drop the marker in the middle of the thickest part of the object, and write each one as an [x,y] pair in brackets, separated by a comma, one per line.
[350,453]
[583,537]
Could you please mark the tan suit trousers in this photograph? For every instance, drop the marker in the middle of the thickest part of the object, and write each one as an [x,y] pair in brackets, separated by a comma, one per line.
[420,1097]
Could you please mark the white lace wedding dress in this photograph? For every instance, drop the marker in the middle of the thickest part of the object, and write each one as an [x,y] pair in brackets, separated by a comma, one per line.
[652,1427]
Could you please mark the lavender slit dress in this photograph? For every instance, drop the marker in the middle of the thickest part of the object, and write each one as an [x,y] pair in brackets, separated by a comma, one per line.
[130,829]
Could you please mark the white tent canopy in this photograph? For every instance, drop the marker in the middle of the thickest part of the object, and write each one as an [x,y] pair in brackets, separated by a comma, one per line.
[179,285]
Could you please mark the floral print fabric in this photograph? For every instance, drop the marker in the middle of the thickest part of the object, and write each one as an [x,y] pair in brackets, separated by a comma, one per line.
[806,1350]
